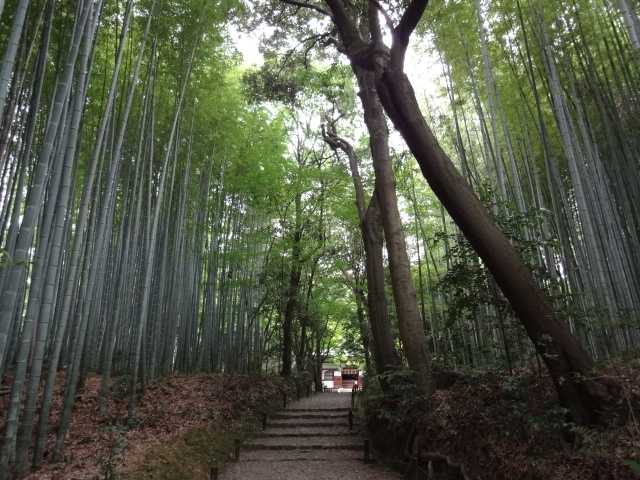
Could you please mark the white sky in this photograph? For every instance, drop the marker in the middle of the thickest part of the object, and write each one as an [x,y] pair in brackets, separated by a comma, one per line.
[247,45]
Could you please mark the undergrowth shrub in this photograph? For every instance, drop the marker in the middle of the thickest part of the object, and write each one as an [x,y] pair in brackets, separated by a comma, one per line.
[392,403]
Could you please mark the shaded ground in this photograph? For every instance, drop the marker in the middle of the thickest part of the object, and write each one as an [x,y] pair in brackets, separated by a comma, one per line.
[501,426]
[498,426]
[176,414]
[311,439]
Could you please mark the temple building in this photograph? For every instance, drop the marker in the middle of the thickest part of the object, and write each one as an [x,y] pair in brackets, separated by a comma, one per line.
[343,378]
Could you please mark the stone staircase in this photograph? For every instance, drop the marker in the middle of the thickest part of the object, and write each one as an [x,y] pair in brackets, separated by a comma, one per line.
[310,440]
[306,430]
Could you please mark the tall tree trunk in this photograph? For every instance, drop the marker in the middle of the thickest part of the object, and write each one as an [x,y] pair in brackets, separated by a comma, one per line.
[151,255]
[566,360]
[384,352]
[17,273]
[631,21]
[292,290]
[9,58]
[410,322]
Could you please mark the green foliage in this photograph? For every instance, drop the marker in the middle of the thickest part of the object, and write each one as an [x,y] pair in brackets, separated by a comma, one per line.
[6,260]
[393,400]
[468,282]
[291,81]
[634,466]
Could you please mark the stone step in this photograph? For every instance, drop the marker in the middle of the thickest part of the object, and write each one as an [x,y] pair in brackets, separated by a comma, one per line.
[299,424]
[317,410]
[320,415]
[348,469]
[260,446]
[323,455]
[309,421]
[307,434]
[311,430]
[305,443]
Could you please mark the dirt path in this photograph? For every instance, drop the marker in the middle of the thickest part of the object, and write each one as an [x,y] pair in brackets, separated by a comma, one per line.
[310,440]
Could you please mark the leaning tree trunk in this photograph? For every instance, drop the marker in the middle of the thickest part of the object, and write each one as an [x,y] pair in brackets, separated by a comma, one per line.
[566,360]
[110,341]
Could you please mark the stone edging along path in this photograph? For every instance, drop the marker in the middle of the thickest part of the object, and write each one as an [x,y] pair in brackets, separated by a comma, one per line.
[309,440]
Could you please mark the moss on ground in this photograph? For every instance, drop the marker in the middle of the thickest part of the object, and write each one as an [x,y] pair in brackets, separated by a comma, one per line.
[194,454]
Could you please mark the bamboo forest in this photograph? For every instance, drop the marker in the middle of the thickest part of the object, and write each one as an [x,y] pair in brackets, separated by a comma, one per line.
[287,239]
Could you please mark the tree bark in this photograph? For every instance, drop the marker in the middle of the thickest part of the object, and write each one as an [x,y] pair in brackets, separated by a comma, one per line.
[566,360]
[292,291]
[384,352]
[409,320]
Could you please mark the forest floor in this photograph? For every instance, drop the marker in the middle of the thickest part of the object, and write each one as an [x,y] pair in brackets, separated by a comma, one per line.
[495,424]
[510,426]
[182,425]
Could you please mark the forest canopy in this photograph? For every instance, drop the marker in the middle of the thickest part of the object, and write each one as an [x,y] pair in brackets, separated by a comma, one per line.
[397,185]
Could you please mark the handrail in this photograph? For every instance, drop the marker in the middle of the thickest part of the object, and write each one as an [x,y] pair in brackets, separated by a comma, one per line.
[354,391]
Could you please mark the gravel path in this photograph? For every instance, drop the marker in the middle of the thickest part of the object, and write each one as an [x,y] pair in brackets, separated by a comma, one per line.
[310,440]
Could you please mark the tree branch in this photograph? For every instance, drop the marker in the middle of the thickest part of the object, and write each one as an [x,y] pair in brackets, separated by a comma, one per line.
[307,5]
[411,17]
[333,140]
[402,33]
[384,13]
[346,26]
